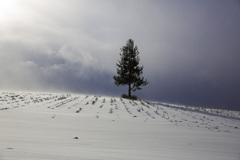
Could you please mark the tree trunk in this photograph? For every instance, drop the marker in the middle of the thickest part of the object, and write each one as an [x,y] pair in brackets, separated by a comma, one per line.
[129,90]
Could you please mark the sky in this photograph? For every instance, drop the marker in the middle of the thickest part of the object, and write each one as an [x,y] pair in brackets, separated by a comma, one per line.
[190,49]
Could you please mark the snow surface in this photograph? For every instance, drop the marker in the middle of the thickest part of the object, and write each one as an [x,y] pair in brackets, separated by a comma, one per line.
[37,126]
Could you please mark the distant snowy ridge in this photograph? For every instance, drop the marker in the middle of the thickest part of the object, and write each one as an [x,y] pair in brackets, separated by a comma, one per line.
[114,106]
[213,111]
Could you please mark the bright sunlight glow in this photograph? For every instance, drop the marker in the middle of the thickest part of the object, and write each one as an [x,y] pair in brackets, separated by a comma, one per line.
[7,9]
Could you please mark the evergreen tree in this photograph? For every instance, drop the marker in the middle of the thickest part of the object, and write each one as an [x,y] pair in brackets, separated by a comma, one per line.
[128,70]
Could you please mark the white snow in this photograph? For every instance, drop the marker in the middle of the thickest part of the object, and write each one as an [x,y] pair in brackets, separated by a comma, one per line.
[37,126]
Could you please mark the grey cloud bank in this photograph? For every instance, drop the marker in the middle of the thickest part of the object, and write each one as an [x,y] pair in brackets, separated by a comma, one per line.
[190,49]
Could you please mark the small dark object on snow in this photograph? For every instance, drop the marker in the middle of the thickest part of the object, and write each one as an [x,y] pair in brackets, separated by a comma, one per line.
[79,110]
[75,138]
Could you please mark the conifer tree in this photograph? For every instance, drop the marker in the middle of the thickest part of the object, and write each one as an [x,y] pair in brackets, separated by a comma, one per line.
[128,70]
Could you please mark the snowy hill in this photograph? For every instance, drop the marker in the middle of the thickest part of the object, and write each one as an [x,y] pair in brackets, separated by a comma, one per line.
[69,126]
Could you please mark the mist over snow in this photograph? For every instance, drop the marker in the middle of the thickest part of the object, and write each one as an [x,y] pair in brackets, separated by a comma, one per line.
[190,49]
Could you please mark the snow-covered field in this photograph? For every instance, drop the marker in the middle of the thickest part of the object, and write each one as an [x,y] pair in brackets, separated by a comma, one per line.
[36,126]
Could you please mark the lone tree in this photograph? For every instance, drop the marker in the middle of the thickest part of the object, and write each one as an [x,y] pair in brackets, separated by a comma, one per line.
[128,70]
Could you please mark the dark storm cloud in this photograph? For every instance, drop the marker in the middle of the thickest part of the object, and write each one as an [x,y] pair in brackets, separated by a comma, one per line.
[190,49]
[199,62]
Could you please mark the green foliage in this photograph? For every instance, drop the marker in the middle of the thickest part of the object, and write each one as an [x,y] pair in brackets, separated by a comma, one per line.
[128,70]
